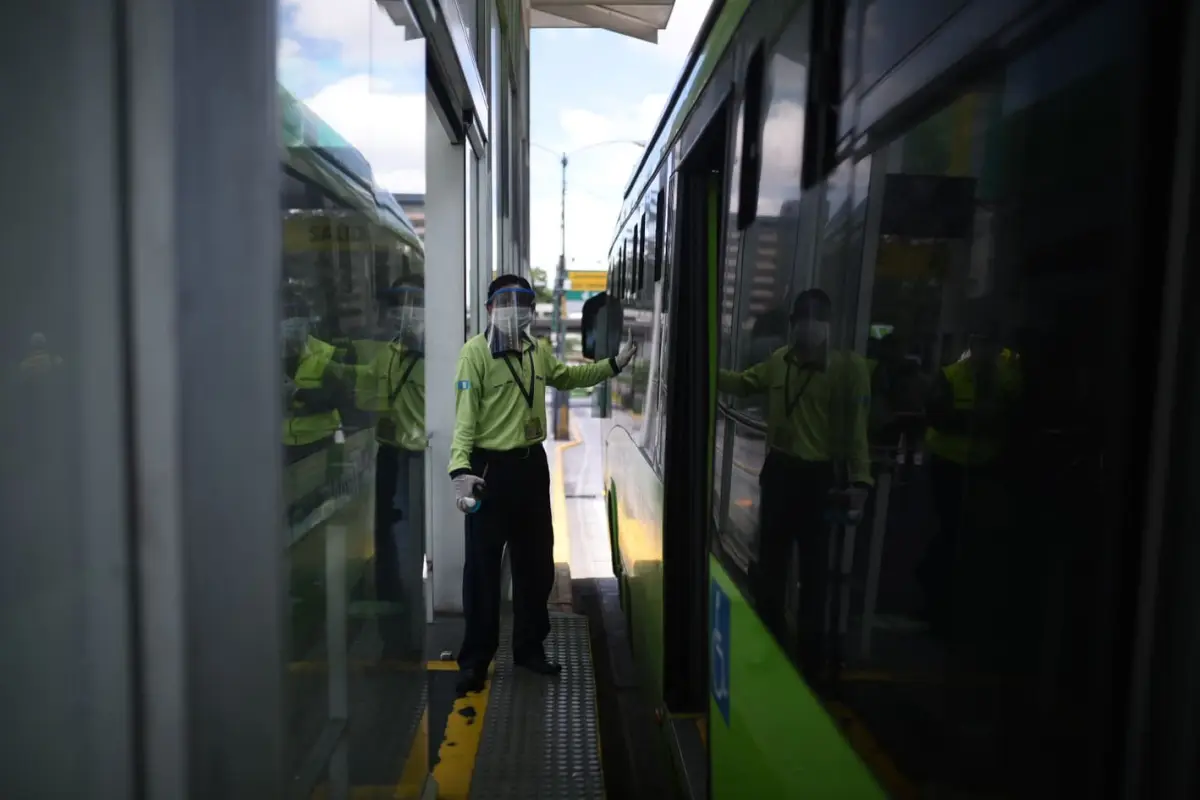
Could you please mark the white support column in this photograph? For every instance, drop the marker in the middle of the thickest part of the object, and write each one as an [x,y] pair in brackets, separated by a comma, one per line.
[470,196]
[484,252]
[445,289]
[495,153]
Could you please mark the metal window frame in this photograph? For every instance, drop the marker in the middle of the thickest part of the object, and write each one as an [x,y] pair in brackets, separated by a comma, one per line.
[65,255]
[204,266]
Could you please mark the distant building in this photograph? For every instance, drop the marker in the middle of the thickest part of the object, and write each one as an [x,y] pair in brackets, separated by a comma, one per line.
[769,265]
[414,207]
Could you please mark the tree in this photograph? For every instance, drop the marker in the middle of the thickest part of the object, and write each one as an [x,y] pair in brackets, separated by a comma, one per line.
[541,285]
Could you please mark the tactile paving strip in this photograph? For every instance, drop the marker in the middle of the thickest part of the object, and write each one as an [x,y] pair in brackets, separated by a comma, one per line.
[541,737]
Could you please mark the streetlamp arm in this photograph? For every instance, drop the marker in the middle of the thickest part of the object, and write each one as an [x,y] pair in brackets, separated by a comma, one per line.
[635,142]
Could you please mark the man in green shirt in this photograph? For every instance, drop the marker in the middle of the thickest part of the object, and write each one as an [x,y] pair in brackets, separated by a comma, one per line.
[392,384]
[499,428]
[817,465]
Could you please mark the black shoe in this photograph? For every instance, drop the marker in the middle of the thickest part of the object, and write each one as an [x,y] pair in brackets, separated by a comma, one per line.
[540,665]
[471,680]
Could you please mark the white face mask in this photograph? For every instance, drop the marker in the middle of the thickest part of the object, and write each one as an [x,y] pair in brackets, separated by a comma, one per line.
[407,323]
[295,331]
[509,320]
[810,333]
[810,342]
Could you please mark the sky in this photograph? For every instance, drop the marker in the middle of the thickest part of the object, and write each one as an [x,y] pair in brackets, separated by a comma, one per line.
[353,67]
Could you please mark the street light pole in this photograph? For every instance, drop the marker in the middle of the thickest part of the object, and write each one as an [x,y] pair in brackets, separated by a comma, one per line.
[561,399]
[559,311]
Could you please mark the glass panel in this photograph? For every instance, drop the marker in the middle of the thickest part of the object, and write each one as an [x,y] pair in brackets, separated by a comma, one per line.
[352,92]
[976,598]
[761,268]
[922,417]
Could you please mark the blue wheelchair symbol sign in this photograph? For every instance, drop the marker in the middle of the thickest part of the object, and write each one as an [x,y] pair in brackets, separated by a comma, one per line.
[719,646]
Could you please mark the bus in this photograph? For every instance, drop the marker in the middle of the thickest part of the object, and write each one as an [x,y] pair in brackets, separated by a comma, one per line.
[885,485]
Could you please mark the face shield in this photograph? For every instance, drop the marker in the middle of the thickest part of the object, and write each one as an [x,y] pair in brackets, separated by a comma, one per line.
[983,353]
[808,335]
[406,317]
[295,333]
[511,315]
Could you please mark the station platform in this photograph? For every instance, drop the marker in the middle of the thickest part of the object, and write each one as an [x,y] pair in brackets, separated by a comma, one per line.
[409,736]
[524,735]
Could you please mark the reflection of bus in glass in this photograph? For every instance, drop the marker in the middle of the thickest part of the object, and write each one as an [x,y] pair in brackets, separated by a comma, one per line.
[966,190]
[345,242]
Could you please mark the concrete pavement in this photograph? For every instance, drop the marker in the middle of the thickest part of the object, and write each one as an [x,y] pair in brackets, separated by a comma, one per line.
[581,542]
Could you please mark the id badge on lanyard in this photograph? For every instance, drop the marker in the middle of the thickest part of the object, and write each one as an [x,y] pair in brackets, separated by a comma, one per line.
[533,430]
[533,425]
[784,438]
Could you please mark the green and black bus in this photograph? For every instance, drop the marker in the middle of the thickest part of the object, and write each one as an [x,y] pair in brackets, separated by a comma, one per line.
[989,201]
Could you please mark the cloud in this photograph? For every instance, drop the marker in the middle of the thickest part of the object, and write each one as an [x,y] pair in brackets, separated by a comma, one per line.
[596,179]
[362,29]
[288,49]
[675,42]
[346,36]
[388,127]
[590,221]
[782,138]
[295,71]
[582,127]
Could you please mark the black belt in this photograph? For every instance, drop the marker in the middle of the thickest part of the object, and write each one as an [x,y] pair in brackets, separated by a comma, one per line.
[516,454]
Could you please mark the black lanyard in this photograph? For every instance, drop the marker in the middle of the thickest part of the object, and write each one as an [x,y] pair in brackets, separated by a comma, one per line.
[413,358]
[789,402]
[526,393]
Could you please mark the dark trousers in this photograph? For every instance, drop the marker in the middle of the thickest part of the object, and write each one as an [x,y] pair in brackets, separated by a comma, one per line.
[516,511]
[792,508]
[400,545]
[295,452]
[935,573]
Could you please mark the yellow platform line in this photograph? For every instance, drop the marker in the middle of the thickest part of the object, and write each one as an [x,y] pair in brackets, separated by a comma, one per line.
[894,781]
[558,501]
[460,745]
[412,778]
[416,765]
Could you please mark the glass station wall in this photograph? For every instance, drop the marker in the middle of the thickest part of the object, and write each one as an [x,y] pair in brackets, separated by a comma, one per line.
[352,106]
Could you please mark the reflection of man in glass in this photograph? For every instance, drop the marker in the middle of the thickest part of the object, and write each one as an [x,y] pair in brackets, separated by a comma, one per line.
[393,385]
[968,415]
[817,406]
[310,387]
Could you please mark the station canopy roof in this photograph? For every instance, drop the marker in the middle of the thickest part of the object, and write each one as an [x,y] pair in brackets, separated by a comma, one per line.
[639,19]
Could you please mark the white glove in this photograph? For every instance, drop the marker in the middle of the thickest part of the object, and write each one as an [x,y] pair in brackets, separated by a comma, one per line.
[465,487]
[854,502]
[628,350]
[858,501]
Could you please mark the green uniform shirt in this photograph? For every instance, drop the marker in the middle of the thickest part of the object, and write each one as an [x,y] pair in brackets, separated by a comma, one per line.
[301,425]
[492,413]
[816,415]
[392,384]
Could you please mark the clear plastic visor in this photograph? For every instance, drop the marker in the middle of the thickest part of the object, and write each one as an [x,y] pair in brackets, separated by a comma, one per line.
[510,314]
